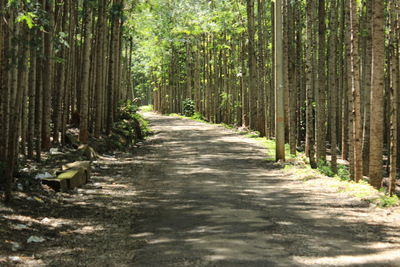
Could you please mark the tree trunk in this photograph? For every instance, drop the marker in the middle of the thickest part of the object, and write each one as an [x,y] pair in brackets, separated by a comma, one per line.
[99,69]
[48,78]
[367,72]
[292,79]
[394,49]
[252,63]
[309,86]
[32,98]
[333,84]
[321,90]
[377,82]
[355,70]
[84,107]
[279,86]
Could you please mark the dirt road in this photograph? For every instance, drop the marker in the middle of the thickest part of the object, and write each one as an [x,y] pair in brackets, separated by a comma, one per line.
[196,194]
[208,198]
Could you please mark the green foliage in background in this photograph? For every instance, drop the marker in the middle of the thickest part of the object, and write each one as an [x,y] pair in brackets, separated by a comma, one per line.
[159,27]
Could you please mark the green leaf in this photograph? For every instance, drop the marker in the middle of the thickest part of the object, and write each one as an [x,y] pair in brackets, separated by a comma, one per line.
[27,18]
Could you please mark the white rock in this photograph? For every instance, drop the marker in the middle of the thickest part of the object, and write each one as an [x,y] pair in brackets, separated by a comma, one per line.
[15,246]
[44,176]
[35,239]
[20,227]
[45,220]
[14,259]
[54,151]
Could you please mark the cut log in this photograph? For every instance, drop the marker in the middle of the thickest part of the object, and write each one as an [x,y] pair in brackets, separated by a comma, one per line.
[68,180]
[85,165]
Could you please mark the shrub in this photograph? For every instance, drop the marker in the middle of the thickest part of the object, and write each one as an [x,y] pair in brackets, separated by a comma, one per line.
[144,124]
[188,107]
[387,201]
[127,110]
[198,117]
[130,124]
[325,169]
[343,172]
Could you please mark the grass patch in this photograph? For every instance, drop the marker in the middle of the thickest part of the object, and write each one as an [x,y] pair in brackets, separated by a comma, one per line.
[175,115]
[197,117]
[269,144]
[341,182]
[302,171]
[147,108]
[365,191]
[252,135]
[360,190]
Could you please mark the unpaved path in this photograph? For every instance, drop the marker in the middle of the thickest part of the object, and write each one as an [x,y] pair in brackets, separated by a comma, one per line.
[200,195]
[209,198]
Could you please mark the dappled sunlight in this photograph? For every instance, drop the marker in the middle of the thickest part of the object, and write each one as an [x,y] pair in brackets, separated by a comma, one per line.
[86,230]
[160,241]
[352,260]
[193,199]
[215,201]
[141,235]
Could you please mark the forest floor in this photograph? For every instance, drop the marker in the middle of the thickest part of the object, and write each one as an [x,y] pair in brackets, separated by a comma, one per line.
[197,194]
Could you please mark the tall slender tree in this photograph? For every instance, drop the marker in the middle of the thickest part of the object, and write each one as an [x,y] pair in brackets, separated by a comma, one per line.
[378,68]
[333,84]
[279,86]
[310,85]
[321,117]
[394,89]
[84,107]
[252,62]
[355,71]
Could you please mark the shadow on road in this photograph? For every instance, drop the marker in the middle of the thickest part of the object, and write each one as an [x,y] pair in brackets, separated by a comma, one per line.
[200,195]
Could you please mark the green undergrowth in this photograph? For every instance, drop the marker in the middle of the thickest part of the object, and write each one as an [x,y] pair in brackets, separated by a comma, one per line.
[144,125]
[269,144]
[341,182]
[147,108]
[196,117]
[343,171]
[175,115]
[129,129]
[131,120]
